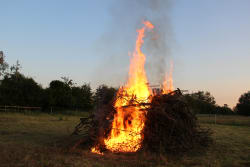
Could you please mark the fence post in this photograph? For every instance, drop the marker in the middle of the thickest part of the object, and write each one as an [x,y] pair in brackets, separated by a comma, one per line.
[5,108]
[215,119]
[50,110]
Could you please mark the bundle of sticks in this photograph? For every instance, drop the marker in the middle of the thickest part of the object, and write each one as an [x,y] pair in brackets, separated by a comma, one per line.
[171,127]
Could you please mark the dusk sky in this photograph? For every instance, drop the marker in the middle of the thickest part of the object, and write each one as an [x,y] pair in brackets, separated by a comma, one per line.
[89,41]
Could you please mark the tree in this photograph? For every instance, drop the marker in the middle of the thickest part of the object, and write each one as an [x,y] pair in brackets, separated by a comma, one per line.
[104,94]
[16,89]
[201,102]
[68,81]
[15,69]
[59,94]
[205,97]
[64,95]
[224,110]
[3,65]
[82,97]
[243,106]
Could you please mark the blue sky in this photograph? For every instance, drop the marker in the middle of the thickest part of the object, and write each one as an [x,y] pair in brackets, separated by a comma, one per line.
[210,42]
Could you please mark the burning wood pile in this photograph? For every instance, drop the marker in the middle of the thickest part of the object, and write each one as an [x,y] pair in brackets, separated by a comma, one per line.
[138,119]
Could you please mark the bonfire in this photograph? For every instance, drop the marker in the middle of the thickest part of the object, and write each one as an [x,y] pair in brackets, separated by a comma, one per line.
[139,119]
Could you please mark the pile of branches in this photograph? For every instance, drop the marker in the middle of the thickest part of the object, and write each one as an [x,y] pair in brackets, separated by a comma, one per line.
[171,127]
[94,128]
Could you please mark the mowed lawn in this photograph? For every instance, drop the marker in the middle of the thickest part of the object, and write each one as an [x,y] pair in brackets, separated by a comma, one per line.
[43,140]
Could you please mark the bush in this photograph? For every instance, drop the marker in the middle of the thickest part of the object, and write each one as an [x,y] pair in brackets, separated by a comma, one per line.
[201,102]
[16,89]
[243,106]
[225,110]
[104,95]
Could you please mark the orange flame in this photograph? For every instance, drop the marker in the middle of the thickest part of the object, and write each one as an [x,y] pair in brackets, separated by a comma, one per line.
[168,81]
[128,122]
[96,151]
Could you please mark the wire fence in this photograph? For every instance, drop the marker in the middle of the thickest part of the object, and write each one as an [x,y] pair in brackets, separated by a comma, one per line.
[18,108]
[37,110]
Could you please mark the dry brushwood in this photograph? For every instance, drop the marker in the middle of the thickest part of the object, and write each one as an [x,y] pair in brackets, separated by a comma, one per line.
[95,127]
[170,127]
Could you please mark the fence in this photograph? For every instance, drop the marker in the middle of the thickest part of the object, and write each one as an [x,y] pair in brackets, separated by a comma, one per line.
[19,108]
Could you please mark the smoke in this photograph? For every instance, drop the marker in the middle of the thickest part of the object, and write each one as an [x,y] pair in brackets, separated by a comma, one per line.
[127,16]
[157,48]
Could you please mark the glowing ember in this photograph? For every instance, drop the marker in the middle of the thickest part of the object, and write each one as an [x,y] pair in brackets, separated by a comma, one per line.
[96,150]
[168,81]
[128,122]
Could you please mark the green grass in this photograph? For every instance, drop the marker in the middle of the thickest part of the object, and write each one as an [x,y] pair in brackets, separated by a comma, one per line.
[43,140]
[232,120]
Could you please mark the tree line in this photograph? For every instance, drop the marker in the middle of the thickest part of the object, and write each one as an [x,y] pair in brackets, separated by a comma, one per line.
[18,90]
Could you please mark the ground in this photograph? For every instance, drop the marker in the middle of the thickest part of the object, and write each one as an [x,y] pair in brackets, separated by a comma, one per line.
[43,140]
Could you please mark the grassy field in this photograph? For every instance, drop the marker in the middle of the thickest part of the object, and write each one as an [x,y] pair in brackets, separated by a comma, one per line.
[43,140]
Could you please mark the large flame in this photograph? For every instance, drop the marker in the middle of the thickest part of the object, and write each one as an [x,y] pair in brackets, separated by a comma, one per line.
[168,86]
[128,122]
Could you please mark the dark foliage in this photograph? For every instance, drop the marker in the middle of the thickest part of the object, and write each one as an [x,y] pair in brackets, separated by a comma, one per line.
[82,97]
[17,89]
[224,110]
[204,103]
[59,94]
[104,95]
[201,102]
[243,106]
[3,64]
